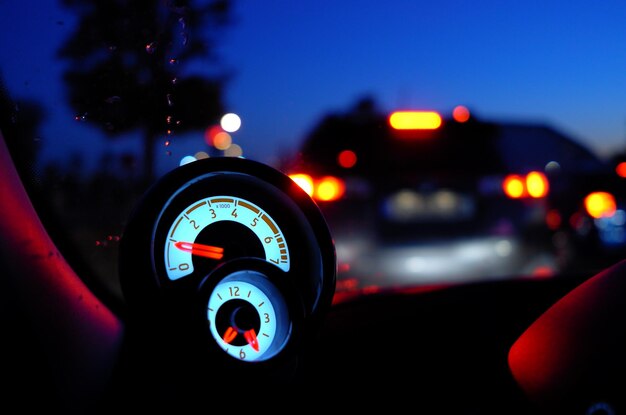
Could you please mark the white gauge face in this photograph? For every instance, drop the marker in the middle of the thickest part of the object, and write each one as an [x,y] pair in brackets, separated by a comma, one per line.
[248,317]
[184,241]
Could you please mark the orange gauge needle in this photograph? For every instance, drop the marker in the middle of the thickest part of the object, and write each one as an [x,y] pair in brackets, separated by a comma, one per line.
[213,252]
[250,336]
[230,335]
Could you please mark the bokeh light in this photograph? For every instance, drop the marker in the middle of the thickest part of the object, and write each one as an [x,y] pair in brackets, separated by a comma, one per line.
[460,113]
[347,159]
[513,186]
[537,184]
[415,120]
[222,140]
[210,133]
[600,204]
[186,160]
[304,181]
[234,151]
[230,122]
[329,188]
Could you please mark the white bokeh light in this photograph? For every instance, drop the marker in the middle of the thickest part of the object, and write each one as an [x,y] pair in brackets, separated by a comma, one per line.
[230,122]
[186,160]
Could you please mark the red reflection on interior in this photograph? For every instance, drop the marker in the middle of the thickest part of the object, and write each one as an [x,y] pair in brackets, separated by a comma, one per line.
[343,267]
[87,334]
[543,271]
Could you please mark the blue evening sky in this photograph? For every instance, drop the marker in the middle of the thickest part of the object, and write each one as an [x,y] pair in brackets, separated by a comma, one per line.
[558,62]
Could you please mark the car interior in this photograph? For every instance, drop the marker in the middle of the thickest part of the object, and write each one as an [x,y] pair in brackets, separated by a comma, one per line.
[350,245]
[526,345]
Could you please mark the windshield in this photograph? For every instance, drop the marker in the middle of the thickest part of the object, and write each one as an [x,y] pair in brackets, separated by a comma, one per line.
[505,165]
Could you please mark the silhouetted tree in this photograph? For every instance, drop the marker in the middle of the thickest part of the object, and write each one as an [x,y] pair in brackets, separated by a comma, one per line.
[19,123]
[125,57]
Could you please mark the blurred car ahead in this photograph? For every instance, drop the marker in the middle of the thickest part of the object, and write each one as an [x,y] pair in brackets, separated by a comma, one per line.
[412,197]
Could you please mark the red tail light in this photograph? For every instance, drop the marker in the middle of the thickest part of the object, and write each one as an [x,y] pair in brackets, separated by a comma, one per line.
[326,189]
[534,185]
[620,169]
[415,120]
[513,186]
[329,188]
[537,184]
[600,205]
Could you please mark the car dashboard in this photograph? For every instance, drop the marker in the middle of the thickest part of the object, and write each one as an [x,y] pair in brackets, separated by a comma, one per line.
[525,345]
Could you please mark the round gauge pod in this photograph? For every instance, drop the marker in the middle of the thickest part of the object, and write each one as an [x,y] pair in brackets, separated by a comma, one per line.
[228,254]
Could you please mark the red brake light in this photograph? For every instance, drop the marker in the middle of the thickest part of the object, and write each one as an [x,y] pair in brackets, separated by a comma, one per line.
[534,184]
[513,186]
[326,189]
[329,188]
[347,159]
[460,114]
[600,204]
[415,120]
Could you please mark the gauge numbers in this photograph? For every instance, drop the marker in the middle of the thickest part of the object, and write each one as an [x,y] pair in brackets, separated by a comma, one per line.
[248,317]
[181,243]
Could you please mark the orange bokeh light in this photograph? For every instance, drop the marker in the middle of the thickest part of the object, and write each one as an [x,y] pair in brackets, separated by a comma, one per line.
[513,186]
[600,204]
[222,140]
[536,184]
[329,188]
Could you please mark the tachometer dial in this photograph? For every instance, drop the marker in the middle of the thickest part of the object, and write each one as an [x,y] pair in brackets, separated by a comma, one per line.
[218,228]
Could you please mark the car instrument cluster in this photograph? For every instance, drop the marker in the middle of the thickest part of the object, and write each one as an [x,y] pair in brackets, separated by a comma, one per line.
[226,262]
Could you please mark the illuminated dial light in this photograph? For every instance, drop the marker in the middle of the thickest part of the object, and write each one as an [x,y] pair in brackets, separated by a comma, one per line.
[248,317]
[181,246]
[242,318]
